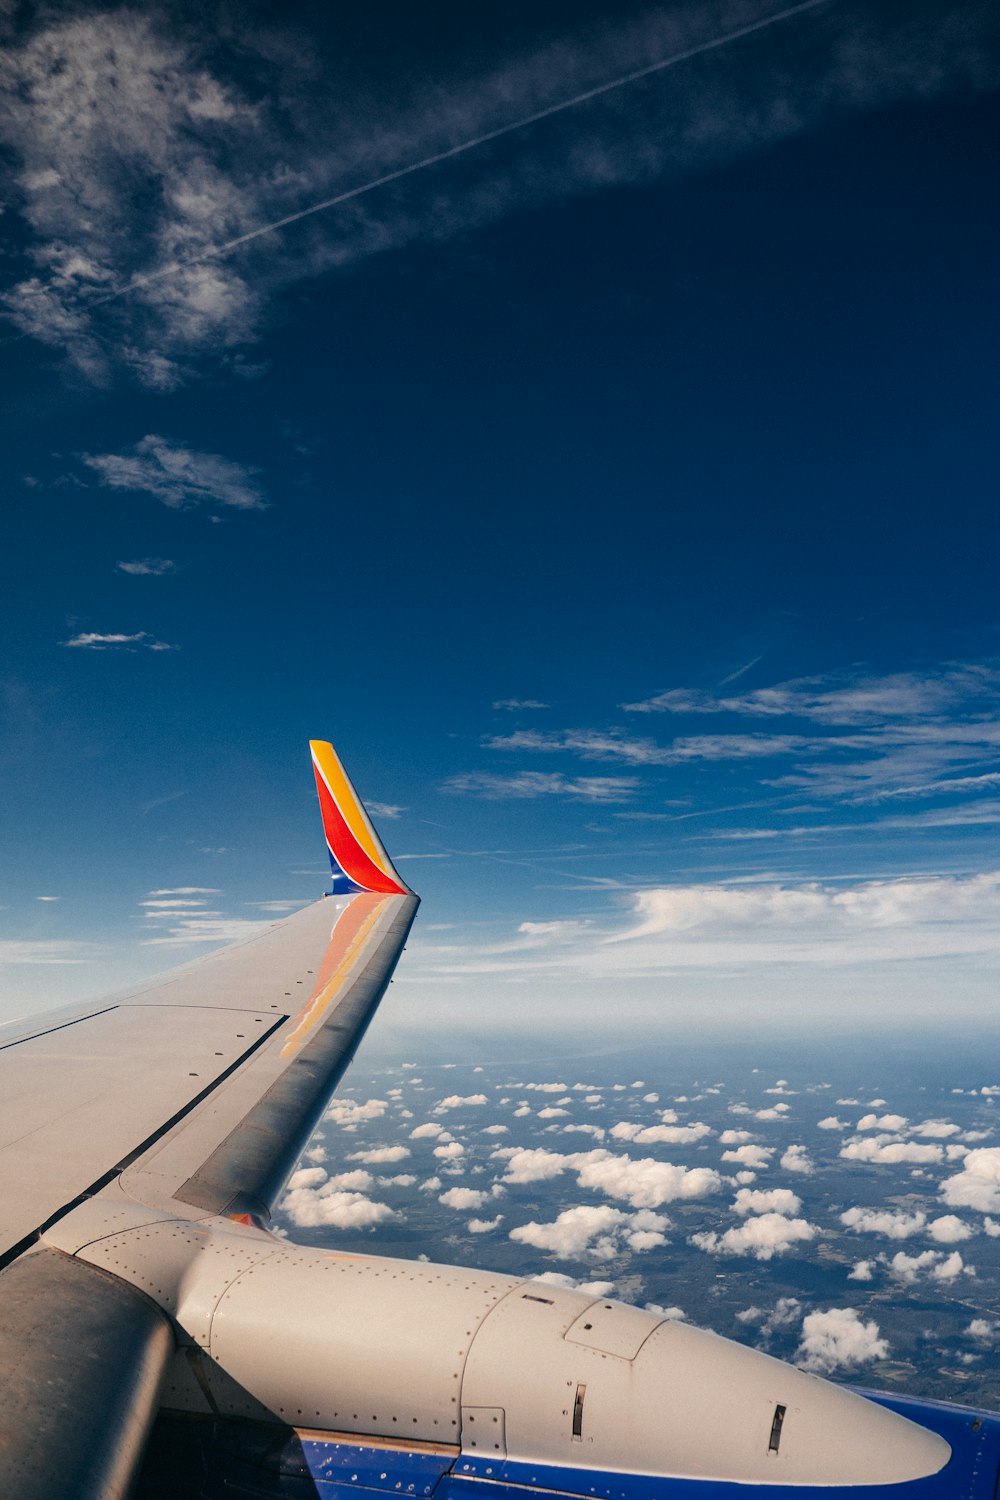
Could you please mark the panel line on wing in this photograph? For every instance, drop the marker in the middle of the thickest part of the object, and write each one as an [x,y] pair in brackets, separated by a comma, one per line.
[49,1030]
[126,1161]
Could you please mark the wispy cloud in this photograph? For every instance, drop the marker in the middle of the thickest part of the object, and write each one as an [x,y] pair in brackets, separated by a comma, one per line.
[842,699]
[813,913]
[153,164]
[727,928]
[188,890]
[155,802]
[141,640]
[543,784]
[177,476]
[871,738]
[207,927]
[147,567]
[634,750]
[45,952]
[385,809]
[182,915]
[512,705]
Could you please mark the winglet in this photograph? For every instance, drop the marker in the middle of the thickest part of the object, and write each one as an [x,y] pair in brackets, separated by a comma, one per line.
[358,860]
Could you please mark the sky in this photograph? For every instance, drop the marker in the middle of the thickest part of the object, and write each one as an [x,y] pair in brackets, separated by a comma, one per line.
[618,493]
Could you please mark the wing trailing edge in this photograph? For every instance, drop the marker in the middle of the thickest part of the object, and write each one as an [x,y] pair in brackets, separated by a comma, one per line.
[357,856]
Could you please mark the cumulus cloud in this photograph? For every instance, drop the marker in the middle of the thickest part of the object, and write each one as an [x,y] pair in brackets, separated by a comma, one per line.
[774,1112]
[862,1270]
[333,1207]
[356,1181]
[484,1226]
[832,1123]
[308,1177]
[949,1229]
[889,1150]
[934,1263]
[463,1198]
[753,1156]
[641,1182]
[766,1200]
[571,1284]
[644,1183]
[428,1132]
[894,1226]
[838,1340]
[379,1154]
[882,1122]
[459,1101]
[533,1164]
[950,1267]
[650,1135]
[785,1312]
[761,1236]
[597,1233]
[349,1113]
[797,1159]
[978,1183]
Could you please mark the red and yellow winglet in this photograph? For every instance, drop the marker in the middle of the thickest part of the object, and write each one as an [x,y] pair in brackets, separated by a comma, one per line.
[358,860]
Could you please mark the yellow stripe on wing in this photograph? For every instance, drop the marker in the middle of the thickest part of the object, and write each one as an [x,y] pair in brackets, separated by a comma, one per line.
[348,938]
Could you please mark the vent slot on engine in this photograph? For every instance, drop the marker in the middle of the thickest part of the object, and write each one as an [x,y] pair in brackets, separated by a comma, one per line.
[776,1424]
[578,1400]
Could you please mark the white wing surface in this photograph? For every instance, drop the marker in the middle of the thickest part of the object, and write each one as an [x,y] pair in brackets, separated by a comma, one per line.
[202,1086]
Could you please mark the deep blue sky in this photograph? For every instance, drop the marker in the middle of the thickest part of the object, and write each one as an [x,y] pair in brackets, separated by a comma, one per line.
[688,391]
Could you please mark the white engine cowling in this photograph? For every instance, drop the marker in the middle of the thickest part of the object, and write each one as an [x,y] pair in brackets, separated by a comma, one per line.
[534,1374]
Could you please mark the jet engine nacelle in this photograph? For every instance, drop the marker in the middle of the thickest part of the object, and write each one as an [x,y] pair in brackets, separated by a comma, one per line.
[526,1374]
[517,1379]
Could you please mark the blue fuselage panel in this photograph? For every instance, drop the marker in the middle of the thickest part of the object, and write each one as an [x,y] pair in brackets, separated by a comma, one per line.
[251,1461]
[970,1474]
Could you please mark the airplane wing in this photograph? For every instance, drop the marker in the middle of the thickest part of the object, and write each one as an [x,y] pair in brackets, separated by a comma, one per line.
[195,1094]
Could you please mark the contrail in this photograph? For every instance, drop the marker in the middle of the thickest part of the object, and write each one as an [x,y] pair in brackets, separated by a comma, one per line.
[470,145]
